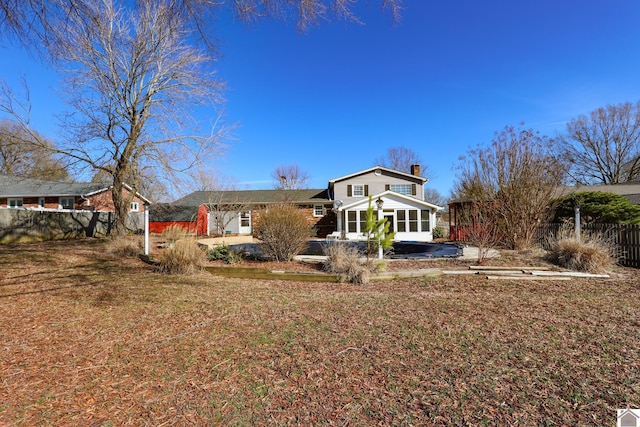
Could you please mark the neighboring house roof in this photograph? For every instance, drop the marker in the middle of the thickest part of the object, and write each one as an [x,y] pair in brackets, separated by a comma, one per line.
[255,197]
[382,168]
[392,195]
[630,190]
[14,186]
[166,212]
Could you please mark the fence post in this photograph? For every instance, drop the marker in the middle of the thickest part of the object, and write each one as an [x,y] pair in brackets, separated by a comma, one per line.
[576,209]
[146,229]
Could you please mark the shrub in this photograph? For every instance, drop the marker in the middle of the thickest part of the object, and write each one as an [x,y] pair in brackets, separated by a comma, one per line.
[173,233]
[225,253]
[593,253]
[183,257]
[346,260]
[438,232]
[125,246]
[283,231]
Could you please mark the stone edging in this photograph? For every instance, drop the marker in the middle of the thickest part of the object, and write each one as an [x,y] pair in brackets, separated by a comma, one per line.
[266,274]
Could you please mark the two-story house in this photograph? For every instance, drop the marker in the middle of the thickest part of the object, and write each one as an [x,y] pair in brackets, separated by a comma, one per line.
[338,211]
[397,196]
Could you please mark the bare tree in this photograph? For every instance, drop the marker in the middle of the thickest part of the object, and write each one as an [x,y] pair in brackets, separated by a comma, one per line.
[512,181]
[133,73]
[224,208]
[131,79]
[150,185]
[604,147]
[432,195]
[481,229]
[289,177]
[21,155]
[221,197]
[30,20]
[401,159]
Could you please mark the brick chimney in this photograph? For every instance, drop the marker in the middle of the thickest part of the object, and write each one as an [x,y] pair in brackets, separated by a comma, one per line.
[415,170]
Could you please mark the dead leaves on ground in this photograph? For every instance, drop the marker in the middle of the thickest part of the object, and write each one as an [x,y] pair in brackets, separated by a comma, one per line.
[88,339]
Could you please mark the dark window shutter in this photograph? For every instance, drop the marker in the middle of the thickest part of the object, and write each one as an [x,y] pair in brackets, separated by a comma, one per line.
[387,187]
[413,189]
[366,190]
[349,191]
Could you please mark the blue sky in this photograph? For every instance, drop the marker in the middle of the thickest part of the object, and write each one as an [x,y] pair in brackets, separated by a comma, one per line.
[442,80]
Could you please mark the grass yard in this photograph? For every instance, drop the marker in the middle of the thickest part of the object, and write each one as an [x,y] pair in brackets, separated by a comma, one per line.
[90,339]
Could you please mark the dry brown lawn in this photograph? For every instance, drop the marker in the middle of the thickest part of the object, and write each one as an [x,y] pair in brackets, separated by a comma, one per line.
[90,339]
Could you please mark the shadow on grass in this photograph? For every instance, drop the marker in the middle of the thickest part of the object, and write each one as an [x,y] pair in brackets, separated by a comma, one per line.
[39,291]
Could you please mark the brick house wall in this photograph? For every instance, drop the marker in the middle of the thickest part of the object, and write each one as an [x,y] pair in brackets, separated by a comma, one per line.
[100,201]
[34,202]
[103,202]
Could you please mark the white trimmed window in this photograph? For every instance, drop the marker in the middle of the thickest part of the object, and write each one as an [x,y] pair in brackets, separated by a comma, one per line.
[352,222]
[14,203]
[41,202]
[358,190]
[424,224]
[404,189]
[134,207]
[66,202]
[318,210]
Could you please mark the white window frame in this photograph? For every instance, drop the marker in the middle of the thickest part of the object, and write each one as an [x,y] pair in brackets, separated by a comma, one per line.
[427,220]
[245,216]
[134,207]
[404,189]
[61,204]
[352,222]
[41,202]
[318,210]
[17,203]
[357,188]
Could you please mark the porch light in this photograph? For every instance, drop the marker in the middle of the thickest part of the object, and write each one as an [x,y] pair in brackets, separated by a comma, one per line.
[379,203]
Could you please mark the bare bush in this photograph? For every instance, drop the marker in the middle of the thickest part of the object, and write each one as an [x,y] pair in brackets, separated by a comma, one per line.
[173,233]
[125,246]
[480,229]
[593,253]
[284,232]
[346,260]
[512,179]
[184,257]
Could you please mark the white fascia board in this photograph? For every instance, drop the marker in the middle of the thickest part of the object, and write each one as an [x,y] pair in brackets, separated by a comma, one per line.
[392,195]
[125,185]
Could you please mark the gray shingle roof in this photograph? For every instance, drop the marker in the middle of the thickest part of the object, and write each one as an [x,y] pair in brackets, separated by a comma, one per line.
[13,186]
[255,197]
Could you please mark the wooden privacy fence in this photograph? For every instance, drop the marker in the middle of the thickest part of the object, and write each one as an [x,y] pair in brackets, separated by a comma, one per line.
[625,237]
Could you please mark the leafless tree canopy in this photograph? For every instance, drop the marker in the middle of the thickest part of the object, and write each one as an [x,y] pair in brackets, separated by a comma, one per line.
[432,195]
[131,78]
[21,155]
[401,159]
[512,181]
[289,177]
[133,73]
[31,19]
[604,147]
